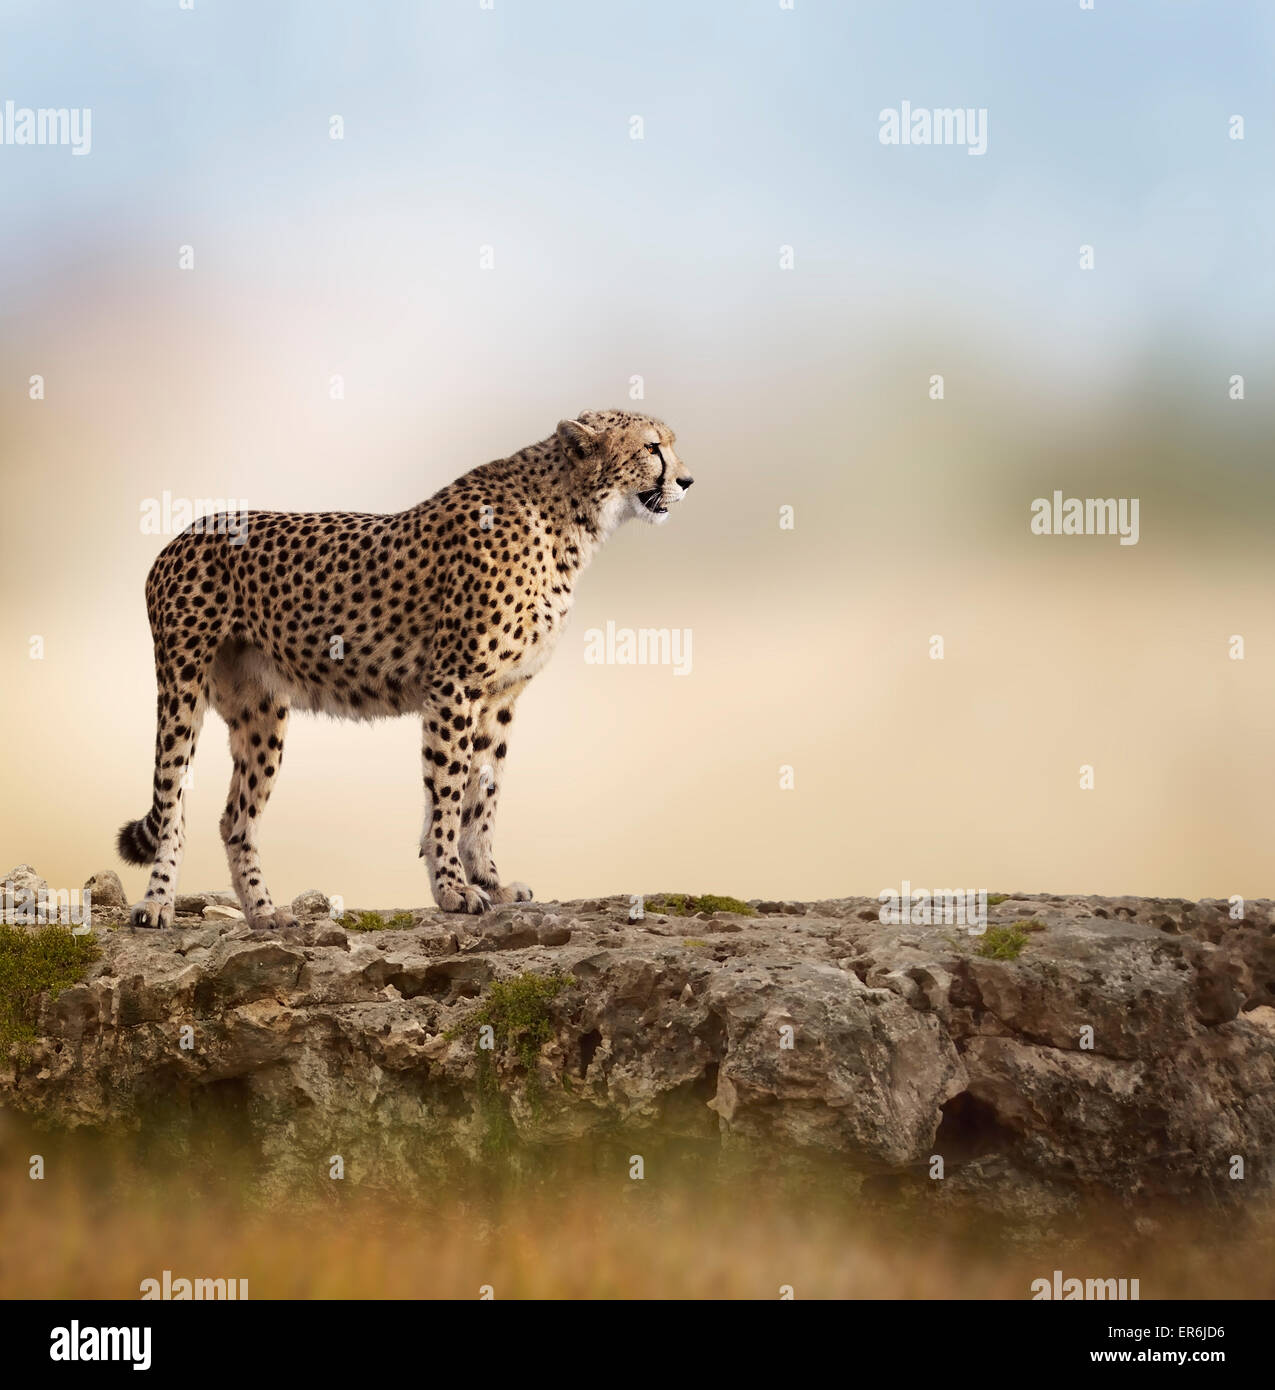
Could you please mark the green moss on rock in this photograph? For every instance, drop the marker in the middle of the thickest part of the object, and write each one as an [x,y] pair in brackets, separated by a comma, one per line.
[1007,942]
[33,963]
[687,905]
[517,1012]
[376,921]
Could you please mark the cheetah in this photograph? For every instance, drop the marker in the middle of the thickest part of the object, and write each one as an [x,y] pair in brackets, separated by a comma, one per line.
[445,610]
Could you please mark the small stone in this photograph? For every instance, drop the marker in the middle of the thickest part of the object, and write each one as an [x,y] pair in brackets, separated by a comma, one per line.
[219,912]
[192,904]
[106,889]
[311,903]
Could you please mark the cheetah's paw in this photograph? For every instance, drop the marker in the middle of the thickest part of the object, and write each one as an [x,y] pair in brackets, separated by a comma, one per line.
[463,899]
[511,893]
[151,914]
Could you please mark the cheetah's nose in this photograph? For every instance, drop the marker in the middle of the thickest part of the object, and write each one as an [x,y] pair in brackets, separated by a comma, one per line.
[684,483]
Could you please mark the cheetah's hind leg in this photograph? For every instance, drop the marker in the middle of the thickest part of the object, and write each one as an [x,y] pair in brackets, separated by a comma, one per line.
[257,720]
[159,838]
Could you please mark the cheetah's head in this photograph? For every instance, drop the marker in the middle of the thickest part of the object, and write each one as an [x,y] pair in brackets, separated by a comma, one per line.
[628,463]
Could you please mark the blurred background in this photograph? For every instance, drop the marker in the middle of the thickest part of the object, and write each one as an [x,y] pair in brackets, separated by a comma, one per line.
[568,1222]
[502,136]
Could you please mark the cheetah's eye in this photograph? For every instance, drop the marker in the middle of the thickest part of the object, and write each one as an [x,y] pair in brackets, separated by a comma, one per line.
[652,448]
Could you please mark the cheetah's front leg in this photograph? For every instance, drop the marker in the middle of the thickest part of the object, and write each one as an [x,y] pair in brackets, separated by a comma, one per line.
[447,753]
[482,793]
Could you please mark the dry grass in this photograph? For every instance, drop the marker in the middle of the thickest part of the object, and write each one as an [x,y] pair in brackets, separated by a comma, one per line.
[101,1221]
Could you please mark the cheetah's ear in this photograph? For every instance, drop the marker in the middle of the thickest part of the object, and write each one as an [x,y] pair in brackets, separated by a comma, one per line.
[577,438]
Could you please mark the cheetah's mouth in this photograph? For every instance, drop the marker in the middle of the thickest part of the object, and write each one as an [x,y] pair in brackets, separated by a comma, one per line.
[650,499]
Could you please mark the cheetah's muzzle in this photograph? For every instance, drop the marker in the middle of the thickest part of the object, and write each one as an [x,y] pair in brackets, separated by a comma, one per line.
[445,610]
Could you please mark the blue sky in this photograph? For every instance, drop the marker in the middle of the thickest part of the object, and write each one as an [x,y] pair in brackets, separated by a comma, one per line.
[510,125]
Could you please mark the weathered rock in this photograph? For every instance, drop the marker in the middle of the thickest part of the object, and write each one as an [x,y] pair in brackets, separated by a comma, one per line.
[1130,1047]
[311,903]
[106,889]
[778,909]
[22,880]
[222,912]
[192,904]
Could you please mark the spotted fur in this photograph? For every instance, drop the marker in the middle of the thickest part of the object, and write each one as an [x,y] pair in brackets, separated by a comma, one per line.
[445,610]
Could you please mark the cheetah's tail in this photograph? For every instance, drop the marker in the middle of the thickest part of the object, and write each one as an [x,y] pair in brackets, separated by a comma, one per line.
[136,842]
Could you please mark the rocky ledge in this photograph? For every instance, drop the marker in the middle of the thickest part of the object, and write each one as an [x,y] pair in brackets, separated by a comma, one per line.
[1117,1044]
